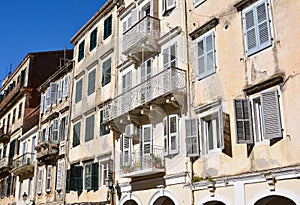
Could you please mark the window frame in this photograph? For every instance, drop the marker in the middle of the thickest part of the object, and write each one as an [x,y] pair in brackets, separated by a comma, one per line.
[81,49]
[167,135]
[76,125]
[89,128]
[107,30]
[106,71]
[93,39]
[78,95]
[91,81]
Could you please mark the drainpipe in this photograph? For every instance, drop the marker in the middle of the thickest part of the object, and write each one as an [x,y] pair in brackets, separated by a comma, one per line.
[188,89]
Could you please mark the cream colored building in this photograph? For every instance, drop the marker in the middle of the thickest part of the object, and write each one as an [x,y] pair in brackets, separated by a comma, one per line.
[90,154]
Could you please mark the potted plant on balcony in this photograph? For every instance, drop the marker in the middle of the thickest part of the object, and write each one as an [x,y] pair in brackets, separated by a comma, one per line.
[157,162]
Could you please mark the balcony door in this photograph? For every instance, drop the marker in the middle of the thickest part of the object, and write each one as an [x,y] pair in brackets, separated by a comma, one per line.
[147,147]
[146,84]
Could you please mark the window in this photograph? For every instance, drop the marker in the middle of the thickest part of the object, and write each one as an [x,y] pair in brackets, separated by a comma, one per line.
[125,147]
[40,181]
[64,128]
[81,51]
[49,178]
[55,130]
[78,94]
[103,129]
[106,72]
[107,27]
[76,134]
[171,135]
[89,128]
[146,140]
[192,139]
[167,6]
[206,64]
[104,172]
[91,81]
[20,110]
[127,23]
[66,86]
[126,81]
[53,93]
[257,27]
[170,56]
[59,89]
[146,73]
[74,178]
[48,97]
[93,39]
[13,116]
[91,176]
[259,118]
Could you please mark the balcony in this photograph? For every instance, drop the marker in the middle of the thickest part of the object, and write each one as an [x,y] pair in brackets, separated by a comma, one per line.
[10,96]
[46,151]
[5,167]
[141,39]
[138,164]
[166,90]
[5,132]
[23,166]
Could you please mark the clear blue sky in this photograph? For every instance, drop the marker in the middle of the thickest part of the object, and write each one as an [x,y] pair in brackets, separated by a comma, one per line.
[39,25]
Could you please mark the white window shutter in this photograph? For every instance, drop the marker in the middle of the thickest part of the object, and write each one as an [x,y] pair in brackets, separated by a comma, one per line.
[127,143]
[192,138]
[66,127]
[49,178]
[243,124]
[40,181]
[201,58]
[47,133]
[59,90]
[59,175]
[66,86]
[271,114]
[48,94]
[42,104]
[263,25]
[250,32]
[55,130]
[166,58]
[134,16]
[173,55]
[53,93]
[147,139]
[173,134]
[166,136]
[210,53]
[124,25]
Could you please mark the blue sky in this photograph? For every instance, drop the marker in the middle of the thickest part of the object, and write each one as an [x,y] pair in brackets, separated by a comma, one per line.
[35,25]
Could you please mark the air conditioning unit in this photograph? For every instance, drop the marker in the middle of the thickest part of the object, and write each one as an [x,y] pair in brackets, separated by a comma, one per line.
[131,131]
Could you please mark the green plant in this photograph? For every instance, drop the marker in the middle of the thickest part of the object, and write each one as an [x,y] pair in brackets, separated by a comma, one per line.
[196,178]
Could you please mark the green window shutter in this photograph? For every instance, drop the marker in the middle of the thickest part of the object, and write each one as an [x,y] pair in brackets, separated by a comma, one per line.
[76,134]
[103,129]
[91,82]
[271,114]
[192,138]
[93,39]
[243,121]
[78,178]
[78,94]
[81,51]
[95,176]
[87,177]
[89,128]
[106,72]
[68,181]
[107,27]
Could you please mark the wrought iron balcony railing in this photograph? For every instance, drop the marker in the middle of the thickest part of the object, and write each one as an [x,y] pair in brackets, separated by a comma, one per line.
[139,164]
[171,80]
[23,160]
[46,150]
[4,163]
[147,29]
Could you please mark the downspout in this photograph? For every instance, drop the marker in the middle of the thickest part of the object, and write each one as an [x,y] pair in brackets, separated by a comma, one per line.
[67,160]
[189,94]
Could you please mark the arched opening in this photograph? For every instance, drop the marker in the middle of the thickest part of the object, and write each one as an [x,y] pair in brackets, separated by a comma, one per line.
[130,202]
[214,203]
[164,200]
[275,200]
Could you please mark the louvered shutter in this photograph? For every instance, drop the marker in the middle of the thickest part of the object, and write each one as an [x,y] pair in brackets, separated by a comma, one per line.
[263,25]
[55,130]
[134,16]
[210,53]
[76,134]
[200,58]
[166,138]
[78,178]
[66,86]
[173,55]
[88,174]
[47,133]
[49,178]
[127,142]
[91,82]
[48,95]
[59,174]
[173,134]
[59,90]
[166,62]
[192,138]
[243,121]
[66,127]
[95,176]
[42,104]
[40,181]
[53,91]
[147,139]
[226,132]
[124,25]
[271,114]
[250,32]
[68,181]
[106,72]
[78,91]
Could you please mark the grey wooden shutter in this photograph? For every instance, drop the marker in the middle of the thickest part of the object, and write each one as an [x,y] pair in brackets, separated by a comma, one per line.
[78,91]
[263,25]
[124,25]
[271,114]
[243,121]
[87,177]
[53,95]
[59,89]
[106,72]
[66,86]
[66,127]
[173,134]
[250,31]
[91,82]
[192,138]
[166,136]
[89,128]
[147,139]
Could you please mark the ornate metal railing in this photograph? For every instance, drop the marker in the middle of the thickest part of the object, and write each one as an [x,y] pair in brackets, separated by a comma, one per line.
[171,80]
[137,161]
[4,162]
[25,159]
[147,27]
